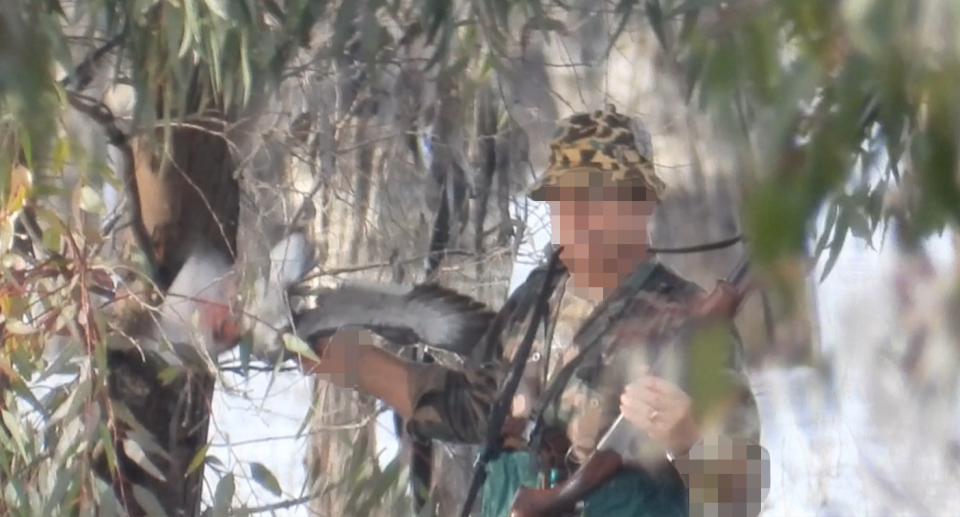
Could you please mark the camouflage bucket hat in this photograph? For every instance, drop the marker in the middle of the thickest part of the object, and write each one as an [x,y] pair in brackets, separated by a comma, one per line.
[599,148]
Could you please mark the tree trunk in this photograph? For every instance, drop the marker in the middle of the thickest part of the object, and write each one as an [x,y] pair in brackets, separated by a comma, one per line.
[193,195]
[342,457]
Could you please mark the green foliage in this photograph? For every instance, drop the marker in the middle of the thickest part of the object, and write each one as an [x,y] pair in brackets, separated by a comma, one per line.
[27,96]
[821,91]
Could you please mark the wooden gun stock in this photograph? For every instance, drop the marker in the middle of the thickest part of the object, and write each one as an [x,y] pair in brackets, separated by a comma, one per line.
[561,499]
[722,303]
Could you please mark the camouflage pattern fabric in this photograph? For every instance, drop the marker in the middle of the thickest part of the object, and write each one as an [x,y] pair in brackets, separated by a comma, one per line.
[599,148]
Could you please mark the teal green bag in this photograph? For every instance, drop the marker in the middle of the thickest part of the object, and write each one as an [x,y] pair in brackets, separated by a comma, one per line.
[629,494]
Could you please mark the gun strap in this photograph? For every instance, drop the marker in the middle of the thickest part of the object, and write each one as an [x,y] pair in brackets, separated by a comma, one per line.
[590,334]
[494,442]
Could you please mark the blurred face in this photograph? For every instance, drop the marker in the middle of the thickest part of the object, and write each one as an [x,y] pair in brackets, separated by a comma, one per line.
[603,230]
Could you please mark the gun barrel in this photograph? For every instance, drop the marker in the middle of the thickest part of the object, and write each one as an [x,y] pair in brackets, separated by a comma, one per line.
[739,273]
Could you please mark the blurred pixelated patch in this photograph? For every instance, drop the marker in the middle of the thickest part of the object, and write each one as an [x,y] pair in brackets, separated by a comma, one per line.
[720,479]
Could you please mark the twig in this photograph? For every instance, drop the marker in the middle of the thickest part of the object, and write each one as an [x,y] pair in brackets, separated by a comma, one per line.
[251,367]
[275,506]
[82,76]
[374,265]
[101,114]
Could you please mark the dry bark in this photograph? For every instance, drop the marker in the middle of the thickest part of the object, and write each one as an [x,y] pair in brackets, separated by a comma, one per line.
[191,195]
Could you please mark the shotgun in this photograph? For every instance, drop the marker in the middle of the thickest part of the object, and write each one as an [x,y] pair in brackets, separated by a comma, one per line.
[722,303]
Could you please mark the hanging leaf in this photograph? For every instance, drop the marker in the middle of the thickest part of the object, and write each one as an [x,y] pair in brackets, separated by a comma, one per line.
[106,499]
[656,20]
[836,247]
[293,343]
[14,427]
[198,459]
[78,398]
[220,8]
[385,481]
[147,501]
[265,478]
[61,487]
[832,211]
[106,439]
[91,201]
[223,496]
[136,453]
[169,375]
[860,226]
[19,328]
[215,463]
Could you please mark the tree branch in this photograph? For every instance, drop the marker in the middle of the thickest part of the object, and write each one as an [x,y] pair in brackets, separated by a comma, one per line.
[103,116]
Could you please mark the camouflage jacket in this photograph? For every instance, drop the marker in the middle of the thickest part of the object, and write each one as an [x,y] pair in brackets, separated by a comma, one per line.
[454,405]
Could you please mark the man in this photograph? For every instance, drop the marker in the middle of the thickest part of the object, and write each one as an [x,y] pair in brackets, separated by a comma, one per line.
[601,192]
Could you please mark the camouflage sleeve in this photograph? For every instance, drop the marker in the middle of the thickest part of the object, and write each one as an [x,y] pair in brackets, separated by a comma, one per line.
[454,405]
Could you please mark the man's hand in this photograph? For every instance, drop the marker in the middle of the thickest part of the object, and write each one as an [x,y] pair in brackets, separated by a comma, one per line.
[340,357]
[663,411]
[382,374]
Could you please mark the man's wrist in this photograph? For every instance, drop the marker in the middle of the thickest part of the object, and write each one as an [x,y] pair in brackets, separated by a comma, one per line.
[681,453]
[690,435]
[361,377]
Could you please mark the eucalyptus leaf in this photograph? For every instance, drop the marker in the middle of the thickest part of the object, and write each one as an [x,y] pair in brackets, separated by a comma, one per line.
[833,210]
[265,478]
[136,453]
[220,8]
[215,463]
[91,201]
[198,459]
[223,496]
[6,234]
[107,503]
[836,247]
[191,27]
[149,502]
[14,427]
[19,328]
[57,495]
[106,440]
[293,343]
[78,397]
[146,442]
[860,226]
[385,481]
